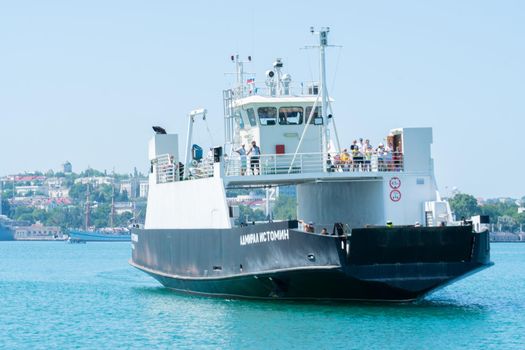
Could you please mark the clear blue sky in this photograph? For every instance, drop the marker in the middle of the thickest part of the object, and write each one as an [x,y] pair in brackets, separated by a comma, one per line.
[84,80]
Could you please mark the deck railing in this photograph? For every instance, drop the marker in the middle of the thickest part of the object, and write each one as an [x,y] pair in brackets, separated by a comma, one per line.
[165,168]
[168,171]
[305,88]
[272,164]
[277,164]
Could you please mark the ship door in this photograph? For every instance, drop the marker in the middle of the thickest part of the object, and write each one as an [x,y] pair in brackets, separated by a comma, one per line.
[397,142]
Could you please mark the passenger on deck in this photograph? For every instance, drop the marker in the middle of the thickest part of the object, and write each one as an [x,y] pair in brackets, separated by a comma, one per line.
[367,153]
[357,156]
[310,227]
[324,231]
[345,160]
[380,151]
[255,152]
[330,167]
[398,157]
[361,144]
[387,159]
[242,154]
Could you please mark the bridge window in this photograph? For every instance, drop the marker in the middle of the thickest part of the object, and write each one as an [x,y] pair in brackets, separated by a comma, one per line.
[251,117]
[267,115]
[238,117]
[291,115]
[317,118]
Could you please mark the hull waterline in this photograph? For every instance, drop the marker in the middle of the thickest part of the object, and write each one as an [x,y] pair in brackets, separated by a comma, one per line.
[402,264]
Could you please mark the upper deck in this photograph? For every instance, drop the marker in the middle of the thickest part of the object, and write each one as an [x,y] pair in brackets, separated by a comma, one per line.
[280,169]
[412,155]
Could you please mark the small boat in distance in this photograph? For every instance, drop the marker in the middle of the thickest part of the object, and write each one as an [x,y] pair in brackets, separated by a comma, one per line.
[107,234]
[101,235]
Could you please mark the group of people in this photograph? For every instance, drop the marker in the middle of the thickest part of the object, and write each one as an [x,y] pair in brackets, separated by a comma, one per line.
[310,227]
[360,156]
[255,155]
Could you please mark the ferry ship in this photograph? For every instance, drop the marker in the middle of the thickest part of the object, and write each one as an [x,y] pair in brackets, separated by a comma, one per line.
[368,229]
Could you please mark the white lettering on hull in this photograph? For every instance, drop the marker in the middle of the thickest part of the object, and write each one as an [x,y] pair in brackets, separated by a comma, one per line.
[263,237]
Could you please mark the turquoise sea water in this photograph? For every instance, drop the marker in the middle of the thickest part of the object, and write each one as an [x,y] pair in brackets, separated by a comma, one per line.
[66,296]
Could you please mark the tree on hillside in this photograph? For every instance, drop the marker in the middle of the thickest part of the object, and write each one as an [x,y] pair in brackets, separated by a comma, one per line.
[91,172]
[123,220]
[6,207]
[122,196]
[285,208]
[78,192]
[464,205]
[100,215]
[23,213]
[247,214]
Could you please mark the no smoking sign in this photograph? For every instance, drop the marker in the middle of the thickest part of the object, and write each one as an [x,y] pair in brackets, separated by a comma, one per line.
[395,196]
[395,183]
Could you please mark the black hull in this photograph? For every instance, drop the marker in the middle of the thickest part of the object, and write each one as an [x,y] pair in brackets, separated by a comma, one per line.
[396,264]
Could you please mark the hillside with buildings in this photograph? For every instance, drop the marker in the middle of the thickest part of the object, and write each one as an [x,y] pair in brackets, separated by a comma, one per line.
[47,204]
[52,202]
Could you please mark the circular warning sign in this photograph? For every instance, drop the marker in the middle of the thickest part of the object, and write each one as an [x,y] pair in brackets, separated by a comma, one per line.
[395,196]
[395,183]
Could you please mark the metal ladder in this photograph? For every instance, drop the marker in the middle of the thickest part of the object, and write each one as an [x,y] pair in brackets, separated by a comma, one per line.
[227,97]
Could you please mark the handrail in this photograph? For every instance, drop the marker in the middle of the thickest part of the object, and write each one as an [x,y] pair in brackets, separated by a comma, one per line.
[272,164]
[165,168]
[279,164]
[169,171]
[305,88]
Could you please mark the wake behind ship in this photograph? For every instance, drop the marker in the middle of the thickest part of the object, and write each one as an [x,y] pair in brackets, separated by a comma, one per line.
[195,241]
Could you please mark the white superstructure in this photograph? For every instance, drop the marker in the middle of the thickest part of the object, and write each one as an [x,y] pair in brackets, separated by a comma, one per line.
[295,130]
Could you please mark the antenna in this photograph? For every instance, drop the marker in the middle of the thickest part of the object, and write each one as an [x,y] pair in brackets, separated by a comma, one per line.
[323,43]
[239,74]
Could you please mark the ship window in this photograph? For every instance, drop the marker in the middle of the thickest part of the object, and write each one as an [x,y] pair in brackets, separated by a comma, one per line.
[238,116]
[317,118]
[291,115]
[251,116]
[267,115]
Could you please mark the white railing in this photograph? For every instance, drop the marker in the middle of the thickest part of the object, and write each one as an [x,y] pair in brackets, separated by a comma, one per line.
[272,164]
[278,164]
[165,168]
[388,161]
[261,89]
[168,171]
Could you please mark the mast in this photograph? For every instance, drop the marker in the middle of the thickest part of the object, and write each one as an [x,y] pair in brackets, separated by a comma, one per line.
[239,68]
[88,209]
[323,89]
[323,42]
[112,214]
[240,90]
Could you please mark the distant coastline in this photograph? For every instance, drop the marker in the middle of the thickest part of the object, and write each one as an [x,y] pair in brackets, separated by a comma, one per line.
[507,237]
